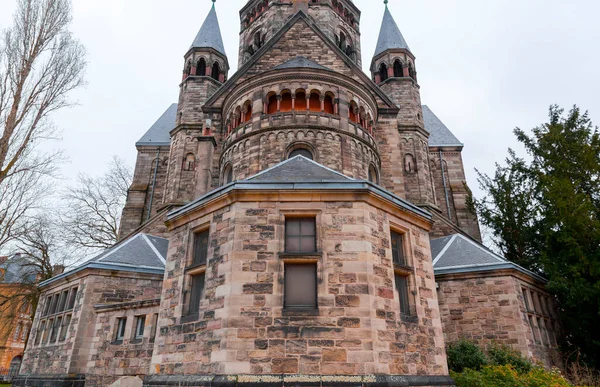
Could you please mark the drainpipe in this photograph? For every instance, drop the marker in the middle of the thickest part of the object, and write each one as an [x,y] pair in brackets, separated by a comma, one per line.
[154,184]
[445,186]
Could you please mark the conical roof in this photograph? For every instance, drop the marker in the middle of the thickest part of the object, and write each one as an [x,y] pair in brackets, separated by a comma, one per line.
[390,36]
[209,35]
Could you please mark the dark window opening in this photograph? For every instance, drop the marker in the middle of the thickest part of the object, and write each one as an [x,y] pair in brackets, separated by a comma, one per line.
[55,327]
[383,72]
[301,152]
[315,102]
[300,103]
[398,72]
[300,286]
[402,287]
[229,175]
[272,105]
[195,294]
[300,235]
[72,299]
[65,328]
[398,249]
[201,68]
[200,248]
[373,177]
[286,103]
[215,71]
[328,105]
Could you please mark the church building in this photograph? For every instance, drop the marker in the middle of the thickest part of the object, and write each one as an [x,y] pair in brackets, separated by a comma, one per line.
[298,223]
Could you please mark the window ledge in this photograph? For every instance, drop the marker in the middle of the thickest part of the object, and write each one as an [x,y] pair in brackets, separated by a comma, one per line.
[300,312]
[136,341]
[316,254]
[117,342]
[409,319]
[195,268]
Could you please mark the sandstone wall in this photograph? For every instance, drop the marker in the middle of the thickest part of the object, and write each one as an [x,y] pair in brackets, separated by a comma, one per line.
[242,328]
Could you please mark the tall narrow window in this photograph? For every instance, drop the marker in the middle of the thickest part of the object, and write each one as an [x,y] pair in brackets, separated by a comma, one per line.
[383,72]
[402,287]
[17,332]
[47,330]
[272,105]
[72,299]
[328,104]
[200,248]
[64,329]
[201,68]
[140,323]
[286,103]
[300,235]
[40,333]
[398,248]
[300,103]
[55,328]
[398,72]
[196,291]
[54,304]
[121,324]
[62,304]
[47,306]
[373,176]
[315,102]
[300,286]
[229,175]
[215,71]
[526,299]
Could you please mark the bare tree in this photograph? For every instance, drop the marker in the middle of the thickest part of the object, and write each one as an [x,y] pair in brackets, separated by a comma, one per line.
[40,63]
[39,255]
[93,207]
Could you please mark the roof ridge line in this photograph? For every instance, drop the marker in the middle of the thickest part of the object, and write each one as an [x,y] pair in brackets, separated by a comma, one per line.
[484,249]
[443,251]
[113,249]
[154,249]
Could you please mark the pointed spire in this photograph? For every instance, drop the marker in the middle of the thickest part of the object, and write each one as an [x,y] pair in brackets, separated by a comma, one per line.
[390,36]
[209,35]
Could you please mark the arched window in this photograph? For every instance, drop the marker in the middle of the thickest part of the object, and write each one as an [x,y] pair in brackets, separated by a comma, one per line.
[258,41]
[228,175]
[409,163]
[373,176]
[201,68]
[272,104]
[328,104]
[383,72]
[342,42]
[286,102]
[301,152]
[215,71]
[248,114]
[300,103]
[190,162]
[398,72]
[315,102]
[353,112]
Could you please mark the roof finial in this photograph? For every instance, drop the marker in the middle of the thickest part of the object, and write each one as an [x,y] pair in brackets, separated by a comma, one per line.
[214,1]
[384,2]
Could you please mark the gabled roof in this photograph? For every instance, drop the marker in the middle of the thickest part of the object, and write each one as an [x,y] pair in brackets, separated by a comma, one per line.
[358,72]
[439,134]
[158,134]
[141,253]
[390,36]
[16,271]
[300,62]
[209,35]
[459,254]
[302,174]
[298,169]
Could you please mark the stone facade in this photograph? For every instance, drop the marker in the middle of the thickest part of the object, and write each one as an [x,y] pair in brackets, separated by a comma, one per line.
[491,308]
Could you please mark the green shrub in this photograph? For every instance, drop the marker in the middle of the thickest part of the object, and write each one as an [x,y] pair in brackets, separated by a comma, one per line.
[503,355]
[465,354]
[508,376]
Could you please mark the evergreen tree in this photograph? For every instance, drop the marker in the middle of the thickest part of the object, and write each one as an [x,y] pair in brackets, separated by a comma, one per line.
[544,215]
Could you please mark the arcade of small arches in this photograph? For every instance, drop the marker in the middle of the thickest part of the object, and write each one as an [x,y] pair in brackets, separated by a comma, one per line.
[201,68]
[255,13]
[348,16]
[299,101]
[397,69]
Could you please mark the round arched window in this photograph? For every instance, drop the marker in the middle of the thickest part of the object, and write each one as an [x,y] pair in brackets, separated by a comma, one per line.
[301,152]
[229,175]
[373,177]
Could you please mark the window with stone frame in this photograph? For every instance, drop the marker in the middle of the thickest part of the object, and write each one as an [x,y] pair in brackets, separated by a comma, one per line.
[56,317]
[140,325]
[300,235]
[196,275]
[120,329]
[540,316]
[403,274]
[300,291]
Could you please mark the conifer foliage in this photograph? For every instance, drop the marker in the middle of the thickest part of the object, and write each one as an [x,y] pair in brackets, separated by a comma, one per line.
[544,214]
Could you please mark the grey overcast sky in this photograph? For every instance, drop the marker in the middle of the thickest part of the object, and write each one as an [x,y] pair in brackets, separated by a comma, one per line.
[484,67]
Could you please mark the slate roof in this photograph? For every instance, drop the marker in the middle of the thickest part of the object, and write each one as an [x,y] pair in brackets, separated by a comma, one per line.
[300,173]
[209,35]
[141,253]
[16,271]
[390,36]
[298,169]
[439,134]
[158,134]
[301,62]
[460,254]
